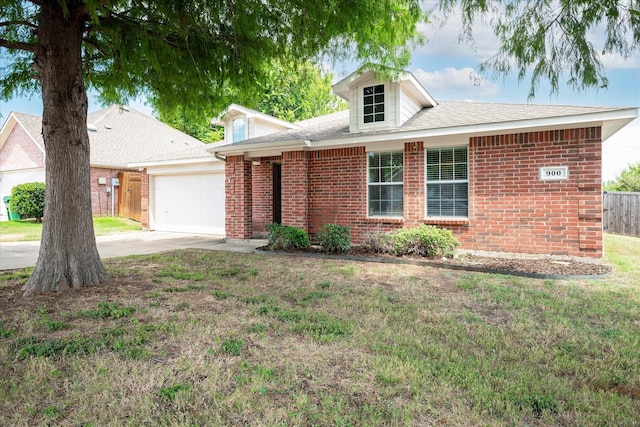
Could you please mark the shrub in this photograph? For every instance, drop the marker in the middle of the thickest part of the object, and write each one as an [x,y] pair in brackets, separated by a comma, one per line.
[27,200]
[379,242]
[334,238]
[286,237]
[425,240]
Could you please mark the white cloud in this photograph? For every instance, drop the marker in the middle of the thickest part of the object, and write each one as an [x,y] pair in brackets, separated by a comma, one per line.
[452,83]
[621,150]
[444,39]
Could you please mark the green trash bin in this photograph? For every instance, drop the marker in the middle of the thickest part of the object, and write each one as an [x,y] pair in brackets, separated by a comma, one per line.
[10,214]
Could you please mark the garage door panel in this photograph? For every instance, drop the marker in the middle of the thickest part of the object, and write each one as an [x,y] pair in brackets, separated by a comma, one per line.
[190,203]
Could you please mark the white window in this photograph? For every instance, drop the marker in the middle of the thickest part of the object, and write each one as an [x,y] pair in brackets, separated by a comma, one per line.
[385,187]
[373,104]
[239,130]
[447,182]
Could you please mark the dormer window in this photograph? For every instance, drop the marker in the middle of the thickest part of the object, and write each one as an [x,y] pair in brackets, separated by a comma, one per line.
[373,104]
[239,129]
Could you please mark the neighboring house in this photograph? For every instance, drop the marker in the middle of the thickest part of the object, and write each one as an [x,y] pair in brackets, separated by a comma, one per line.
[509,178]
[118,136]
[184,191]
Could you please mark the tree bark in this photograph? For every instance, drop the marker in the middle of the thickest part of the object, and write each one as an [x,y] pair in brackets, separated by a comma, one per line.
[68,257]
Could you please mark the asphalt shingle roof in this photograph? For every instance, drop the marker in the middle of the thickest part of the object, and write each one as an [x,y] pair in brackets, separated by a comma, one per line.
[124,136]
[447,114]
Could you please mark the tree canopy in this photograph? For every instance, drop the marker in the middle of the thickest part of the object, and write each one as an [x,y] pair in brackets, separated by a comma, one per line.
[290,92]
[628,180]
[198,53]
[188,53]
[546,39]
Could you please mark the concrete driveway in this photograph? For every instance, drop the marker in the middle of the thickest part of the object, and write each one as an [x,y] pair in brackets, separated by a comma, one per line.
[25,254]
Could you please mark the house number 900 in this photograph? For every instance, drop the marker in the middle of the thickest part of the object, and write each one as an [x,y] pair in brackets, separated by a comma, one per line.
[554,173]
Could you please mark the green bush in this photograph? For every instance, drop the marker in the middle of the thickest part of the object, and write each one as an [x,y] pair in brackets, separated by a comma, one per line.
[334,238]
[27,200]
[425,240]
[286,237]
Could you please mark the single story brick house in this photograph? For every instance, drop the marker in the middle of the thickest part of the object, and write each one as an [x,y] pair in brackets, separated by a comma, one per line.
[118,136]
[508,178]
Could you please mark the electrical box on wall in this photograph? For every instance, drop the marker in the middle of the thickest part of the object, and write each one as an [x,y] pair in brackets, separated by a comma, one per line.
[102,181]
[115,182]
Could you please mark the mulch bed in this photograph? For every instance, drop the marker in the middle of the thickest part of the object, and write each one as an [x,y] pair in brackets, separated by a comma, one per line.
[531,267]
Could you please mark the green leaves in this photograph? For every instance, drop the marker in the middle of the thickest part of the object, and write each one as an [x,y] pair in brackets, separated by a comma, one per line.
[629,180]
[27,200]
[554,39]
[200,54]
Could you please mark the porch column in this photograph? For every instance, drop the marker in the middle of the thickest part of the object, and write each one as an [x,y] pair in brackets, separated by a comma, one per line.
[589,190]
[295,189]
[144,199]
[238,205]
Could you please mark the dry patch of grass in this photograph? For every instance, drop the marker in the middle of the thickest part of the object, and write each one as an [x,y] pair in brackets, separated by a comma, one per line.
[213,338]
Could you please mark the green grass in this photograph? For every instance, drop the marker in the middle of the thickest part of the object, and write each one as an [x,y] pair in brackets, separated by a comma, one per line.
[29,230]
[303,341]
[624,252]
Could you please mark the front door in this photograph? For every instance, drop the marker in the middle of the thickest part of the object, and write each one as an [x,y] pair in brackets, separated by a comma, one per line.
[277,193]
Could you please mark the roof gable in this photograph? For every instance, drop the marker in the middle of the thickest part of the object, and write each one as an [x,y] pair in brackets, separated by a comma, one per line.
[405,79]
[117,136]
[19,149]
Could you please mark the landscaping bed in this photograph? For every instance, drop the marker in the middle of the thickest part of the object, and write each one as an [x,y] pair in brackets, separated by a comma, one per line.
[504,263]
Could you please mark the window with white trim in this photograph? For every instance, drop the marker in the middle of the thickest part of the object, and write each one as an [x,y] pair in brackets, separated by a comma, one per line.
[447,182]
[373,104]
[239,130]
[385,184]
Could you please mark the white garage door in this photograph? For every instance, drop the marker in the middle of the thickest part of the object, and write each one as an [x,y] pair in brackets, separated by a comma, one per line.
[191,203]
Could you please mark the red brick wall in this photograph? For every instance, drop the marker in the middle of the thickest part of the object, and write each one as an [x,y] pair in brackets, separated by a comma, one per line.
[144,199]
[337,188]
[514,211]
[295,187]
[238,198]
[511,209]
[262,202]
[100,201]
[20,152]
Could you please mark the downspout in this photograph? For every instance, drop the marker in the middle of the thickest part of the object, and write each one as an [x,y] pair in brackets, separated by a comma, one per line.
[220,156]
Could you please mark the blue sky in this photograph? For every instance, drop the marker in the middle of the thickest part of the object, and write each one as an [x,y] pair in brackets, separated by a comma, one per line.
[446,67]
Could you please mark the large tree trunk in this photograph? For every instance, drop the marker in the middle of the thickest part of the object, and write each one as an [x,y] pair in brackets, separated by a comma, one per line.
[68,257]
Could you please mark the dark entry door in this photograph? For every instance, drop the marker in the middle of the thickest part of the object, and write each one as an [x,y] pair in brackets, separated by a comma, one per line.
[277,193]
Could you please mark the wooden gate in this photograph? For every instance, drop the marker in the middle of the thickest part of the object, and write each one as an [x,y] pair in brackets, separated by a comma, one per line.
[622,213]
[129,195]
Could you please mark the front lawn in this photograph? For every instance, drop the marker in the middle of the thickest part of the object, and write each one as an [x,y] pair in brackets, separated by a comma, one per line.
[29,229]
[201,337]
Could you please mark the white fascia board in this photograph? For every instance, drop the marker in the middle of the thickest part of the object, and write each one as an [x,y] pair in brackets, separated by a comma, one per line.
[184,169]
[173,162]
[414,88]
[110,166]
[8,127]
[272,147]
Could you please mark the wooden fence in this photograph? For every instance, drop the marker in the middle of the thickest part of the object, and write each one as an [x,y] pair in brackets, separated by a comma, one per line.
[622,213]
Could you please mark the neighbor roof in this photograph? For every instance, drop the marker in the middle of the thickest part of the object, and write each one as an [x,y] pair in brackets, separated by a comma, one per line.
[124,135]
[121,135]
[446,118]
[31,124]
